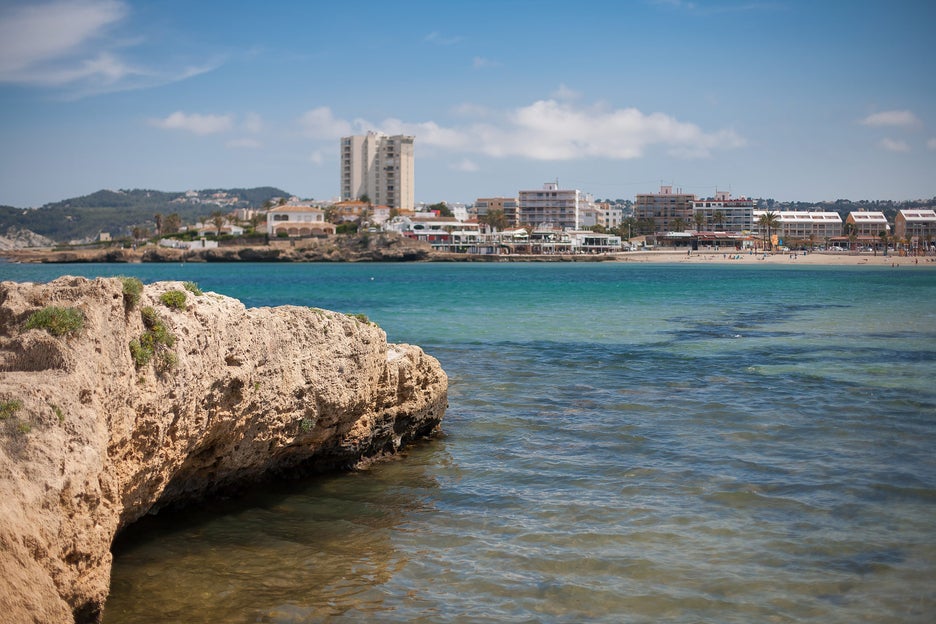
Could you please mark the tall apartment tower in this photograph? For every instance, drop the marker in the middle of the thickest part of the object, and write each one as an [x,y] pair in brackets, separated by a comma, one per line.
[665,208]
[380,167]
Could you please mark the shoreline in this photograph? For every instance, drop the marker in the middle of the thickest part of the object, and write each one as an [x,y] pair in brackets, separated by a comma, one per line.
[668,256]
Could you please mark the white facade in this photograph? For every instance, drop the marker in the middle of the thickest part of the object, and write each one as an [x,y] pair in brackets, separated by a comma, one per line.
[804,225]
[380,167]
[561,208]
[723,213]
[298,221]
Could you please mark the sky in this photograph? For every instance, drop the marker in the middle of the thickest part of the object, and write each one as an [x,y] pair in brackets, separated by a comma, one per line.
[785,99]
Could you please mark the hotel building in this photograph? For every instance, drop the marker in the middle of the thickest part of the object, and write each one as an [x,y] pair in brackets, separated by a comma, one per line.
[917,226]
[725,214]
[552,206]
[800,226]
[380,167]
[664,208]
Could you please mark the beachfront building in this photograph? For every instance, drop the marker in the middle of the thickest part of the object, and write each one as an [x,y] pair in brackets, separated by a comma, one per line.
[609,216]
[802,228]
[552,206]
[916,227]
[507,205]
[723,213]
[379,167]
[667,209]
[865,224]
[298,221]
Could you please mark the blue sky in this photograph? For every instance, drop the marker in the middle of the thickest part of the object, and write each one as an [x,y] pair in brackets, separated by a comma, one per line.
[790,99]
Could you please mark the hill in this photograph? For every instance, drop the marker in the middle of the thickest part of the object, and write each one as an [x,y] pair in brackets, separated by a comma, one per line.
[118,212]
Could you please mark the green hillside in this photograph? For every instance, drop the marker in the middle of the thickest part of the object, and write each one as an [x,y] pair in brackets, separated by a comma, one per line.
[118,212]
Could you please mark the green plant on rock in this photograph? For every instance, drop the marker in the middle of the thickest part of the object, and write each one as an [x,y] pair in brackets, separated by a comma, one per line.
[359,317]
[174,299]
[155,340]
[56,320]
[193,288]
[9,407]
[132,290]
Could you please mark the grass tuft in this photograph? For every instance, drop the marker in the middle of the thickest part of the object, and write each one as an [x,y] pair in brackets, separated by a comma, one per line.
[56,320]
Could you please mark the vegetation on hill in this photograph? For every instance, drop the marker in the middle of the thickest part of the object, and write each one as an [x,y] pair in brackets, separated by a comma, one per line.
[118,212]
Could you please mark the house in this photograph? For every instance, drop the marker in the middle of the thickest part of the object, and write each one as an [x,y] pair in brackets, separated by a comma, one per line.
[298,221]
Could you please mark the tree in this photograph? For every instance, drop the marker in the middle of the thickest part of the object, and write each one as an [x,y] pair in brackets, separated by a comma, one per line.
[718,218]
[699,219]
[769,221]
[443,209]
[364,198]
[678,224]
[217,220]
[495,218]
[172,223]
[158,218]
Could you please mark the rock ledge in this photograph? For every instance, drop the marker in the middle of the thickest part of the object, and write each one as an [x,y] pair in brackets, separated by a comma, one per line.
[90,442]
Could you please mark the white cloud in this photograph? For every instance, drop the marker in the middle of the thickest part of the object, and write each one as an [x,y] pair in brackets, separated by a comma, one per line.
[316,158]
[565,93]
[465,165]
[73,46]
[253,123]
[195,123]
[892,145]
[36,34]
[319,123]
[438,39]
[891,118]
[479,62]
[244,144]
[549,130]
[546,130]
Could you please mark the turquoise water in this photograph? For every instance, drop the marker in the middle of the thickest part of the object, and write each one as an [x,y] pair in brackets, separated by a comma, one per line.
[624,443]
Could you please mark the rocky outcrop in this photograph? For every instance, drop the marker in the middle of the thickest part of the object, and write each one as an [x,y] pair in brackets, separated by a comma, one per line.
[95,433]
[363,247]
[21,238]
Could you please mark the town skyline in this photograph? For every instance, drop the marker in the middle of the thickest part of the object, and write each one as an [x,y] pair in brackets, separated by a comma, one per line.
[789,100]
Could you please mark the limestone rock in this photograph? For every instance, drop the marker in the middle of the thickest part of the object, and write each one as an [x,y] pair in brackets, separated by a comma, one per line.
[90,441]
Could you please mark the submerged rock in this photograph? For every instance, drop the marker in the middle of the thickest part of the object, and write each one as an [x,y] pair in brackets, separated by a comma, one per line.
[146,405]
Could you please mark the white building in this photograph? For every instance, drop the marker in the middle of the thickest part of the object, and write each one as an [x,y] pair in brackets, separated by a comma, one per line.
[298,221]
[609,216]
[561,208]
[799,226]
[380,167]
[725,214]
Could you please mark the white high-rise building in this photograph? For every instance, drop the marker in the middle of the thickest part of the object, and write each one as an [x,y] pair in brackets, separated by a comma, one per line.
[380,167]
[550,205]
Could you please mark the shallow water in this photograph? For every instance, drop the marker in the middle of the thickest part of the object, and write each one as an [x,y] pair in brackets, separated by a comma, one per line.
[623,444]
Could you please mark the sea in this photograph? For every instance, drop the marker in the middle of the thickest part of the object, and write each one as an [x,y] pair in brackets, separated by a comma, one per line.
[624,443]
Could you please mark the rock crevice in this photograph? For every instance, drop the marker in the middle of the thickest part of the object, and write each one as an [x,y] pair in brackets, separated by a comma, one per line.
[91,439]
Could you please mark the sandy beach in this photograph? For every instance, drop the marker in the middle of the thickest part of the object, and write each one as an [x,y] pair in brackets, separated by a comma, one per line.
[812,258]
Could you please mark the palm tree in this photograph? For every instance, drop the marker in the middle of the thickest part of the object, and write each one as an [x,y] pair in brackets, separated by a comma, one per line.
[718,218]
[217,219]
[699,219]
[678,224]
[769,221]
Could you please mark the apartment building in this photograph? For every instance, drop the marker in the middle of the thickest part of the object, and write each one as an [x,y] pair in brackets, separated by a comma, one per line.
[508,205]
[550,205]
[665,209]
[801,226]
[379,167]
[609,215]
[724,214]
[866,224]
[918,226]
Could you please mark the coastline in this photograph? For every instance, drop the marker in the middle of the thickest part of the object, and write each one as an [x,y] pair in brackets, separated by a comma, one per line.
[272,254]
